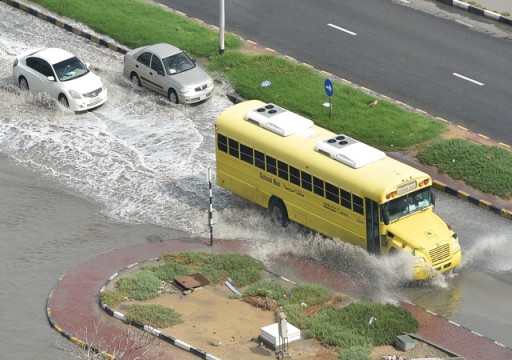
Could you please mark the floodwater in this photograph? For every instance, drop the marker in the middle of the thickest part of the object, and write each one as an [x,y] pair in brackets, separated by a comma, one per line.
[74,186]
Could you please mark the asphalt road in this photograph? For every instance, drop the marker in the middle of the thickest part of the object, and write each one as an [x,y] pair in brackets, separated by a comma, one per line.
[446,67]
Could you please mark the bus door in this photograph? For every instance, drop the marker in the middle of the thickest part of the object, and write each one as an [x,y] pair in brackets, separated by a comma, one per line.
[372,226]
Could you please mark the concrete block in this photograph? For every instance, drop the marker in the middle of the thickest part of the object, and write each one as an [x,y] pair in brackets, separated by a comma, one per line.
[405,342]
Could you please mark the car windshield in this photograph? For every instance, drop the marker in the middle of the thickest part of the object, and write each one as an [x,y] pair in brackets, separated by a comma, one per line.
[178,63]
[69,69]
[408,204]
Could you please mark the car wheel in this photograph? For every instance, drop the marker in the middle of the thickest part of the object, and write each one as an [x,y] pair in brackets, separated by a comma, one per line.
[173,97]
[278,213]
[23,83]
[63,100]
[135,79]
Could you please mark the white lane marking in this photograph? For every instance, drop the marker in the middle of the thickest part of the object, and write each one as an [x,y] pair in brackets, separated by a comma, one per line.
[341,29]
[405,1]
[465,24]
[468,79]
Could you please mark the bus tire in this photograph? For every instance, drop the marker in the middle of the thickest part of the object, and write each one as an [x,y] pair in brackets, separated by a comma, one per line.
[277,212]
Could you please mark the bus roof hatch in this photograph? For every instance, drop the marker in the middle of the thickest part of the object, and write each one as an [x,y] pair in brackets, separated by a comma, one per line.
[349,151]
[278,120]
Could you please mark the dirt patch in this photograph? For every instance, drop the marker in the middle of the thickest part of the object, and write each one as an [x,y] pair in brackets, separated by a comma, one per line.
[216,321]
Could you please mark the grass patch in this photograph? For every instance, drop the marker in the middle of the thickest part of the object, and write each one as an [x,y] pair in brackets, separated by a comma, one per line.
[157,316]
[169,271]
[242,269]
[310,294]
[141,285]
[135,23]
[385,126]
[267,289]
[112,298]
[350,326]
[487,168]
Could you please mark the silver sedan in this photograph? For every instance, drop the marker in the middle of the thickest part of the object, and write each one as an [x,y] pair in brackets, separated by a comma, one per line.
[169,71]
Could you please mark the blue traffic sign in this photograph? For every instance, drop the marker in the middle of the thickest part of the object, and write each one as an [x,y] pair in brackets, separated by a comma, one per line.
[329,88]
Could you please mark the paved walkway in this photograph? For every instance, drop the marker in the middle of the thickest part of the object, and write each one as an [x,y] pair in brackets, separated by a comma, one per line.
[74,310]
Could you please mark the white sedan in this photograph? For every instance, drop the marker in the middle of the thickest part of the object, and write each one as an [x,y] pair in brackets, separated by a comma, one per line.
[60,74]
[168,70]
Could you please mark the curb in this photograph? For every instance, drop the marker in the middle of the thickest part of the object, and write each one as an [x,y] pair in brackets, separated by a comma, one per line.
[149,329]
[478,10]
[472,199]
[70,28]
[67,335]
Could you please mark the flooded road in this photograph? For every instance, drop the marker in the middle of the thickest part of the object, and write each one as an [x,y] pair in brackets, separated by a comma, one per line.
[134,170]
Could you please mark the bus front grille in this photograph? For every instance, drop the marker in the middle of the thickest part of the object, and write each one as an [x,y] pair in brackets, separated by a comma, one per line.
[439,253]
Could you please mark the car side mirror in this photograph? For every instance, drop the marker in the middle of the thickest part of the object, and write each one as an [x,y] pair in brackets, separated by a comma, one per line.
[51,78]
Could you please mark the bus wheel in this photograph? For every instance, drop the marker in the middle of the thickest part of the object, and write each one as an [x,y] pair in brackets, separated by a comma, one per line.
[278,212]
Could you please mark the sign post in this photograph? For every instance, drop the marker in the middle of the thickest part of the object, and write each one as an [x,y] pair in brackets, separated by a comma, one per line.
[329,90]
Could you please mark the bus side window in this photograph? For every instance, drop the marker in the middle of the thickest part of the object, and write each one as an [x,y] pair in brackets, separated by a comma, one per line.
[282,168]
[259,159]
[346,199]
[332,192]
[358,204]
[306,181]
[318,186]
[222,143]
[294,175]
[271,165]
[233,148]
[246,154]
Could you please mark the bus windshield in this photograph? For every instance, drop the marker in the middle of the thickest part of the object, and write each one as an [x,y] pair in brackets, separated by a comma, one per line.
[408,204]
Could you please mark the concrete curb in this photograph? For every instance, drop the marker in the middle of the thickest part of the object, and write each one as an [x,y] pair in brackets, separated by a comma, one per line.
[149,329]
[472,199]
[67,335]
[479,11]
[70,28]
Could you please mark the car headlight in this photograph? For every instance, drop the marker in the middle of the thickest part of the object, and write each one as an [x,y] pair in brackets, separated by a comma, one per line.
[185,90]
[74,94]
[419,260]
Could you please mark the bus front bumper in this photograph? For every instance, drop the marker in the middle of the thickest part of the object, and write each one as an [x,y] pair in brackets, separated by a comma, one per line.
[426,271]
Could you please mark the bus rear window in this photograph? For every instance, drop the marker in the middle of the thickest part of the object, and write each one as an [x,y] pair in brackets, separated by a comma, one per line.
[222,143]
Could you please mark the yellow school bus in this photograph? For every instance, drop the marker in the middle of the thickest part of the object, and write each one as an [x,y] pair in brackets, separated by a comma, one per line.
[333,184]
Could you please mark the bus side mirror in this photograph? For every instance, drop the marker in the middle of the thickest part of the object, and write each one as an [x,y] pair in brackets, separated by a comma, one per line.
[433,196]
[385,217]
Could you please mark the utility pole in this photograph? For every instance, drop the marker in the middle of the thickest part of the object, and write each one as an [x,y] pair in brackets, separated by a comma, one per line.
[221,28]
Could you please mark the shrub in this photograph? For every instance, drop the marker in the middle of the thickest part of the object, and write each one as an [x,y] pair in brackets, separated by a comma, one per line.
[157,316]
[142,285]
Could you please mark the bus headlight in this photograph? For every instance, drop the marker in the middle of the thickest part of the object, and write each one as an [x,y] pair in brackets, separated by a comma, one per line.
[419,260]
[456,246]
